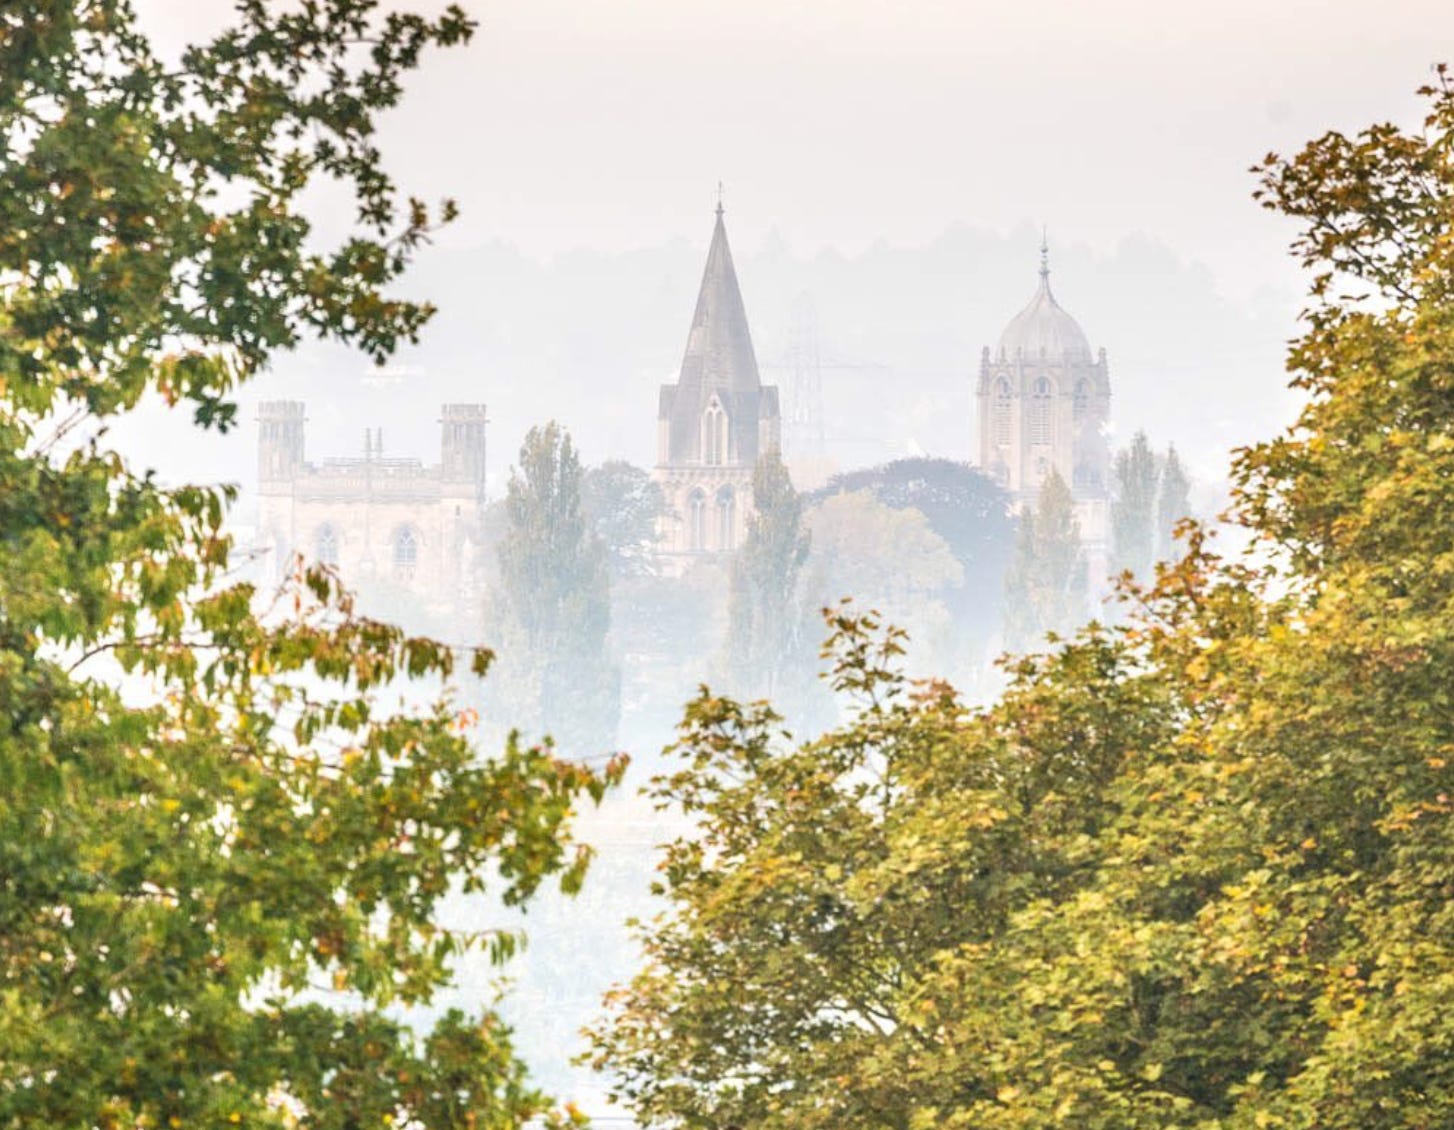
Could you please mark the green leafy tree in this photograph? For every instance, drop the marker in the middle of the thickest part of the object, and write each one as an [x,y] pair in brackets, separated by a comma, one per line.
[1134,512]
[208,820]
[1173,504]
[552,608]
[765,640]
[1047,583]
[1193,871]
[823,885]
[964,507]
[623,506]
[890,560]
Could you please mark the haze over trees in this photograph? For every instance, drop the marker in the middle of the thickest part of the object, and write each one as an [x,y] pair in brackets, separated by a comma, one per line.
[1150,496]
[221,855]
[1191,871]
[1047,586]
[551,611]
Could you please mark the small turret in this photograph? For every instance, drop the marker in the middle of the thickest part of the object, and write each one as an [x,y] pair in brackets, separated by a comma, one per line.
[462,444]
[280,442]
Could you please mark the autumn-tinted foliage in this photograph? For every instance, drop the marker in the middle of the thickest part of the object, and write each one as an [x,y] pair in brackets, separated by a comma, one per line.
[1194,871]
[208,825]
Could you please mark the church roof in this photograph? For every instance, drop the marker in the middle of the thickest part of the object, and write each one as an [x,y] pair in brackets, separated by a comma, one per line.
[1043,327]
[719,347]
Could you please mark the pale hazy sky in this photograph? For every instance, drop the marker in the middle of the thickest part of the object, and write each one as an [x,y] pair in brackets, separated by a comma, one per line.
[607,123]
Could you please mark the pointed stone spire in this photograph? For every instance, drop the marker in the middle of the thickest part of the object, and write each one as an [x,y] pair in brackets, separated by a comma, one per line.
[719,379]
[719,355]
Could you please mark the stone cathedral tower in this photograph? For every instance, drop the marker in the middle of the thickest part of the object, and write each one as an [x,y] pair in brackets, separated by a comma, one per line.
[1045,401]
[714,423]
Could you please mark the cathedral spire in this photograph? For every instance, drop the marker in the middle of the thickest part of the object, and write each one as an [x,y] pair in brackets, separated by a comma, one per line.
[719,352]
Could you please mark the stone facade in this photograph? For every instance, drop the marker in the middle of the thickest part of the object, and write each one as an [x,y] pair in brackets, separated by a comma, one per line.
[714,422]
[391,521]
[1045,401]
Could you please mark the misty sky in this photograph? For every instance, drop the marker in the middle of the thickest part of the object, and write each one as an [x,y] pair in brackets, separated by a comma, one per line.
[855,138]
[607,124]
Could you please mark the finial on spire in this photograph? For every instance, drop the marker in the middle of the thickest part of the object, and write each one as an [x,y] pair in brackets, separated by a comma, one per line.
[719,198]
[1044,253]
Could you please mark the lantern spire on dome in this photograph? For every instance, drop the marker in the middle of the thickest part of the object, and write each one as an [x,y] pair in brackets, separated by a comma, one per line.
[1043,328]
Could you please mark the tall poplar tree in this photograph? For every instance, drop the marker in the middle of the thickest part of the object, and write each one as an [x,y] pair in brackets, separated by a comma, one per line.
[1047,585]
[1133,507]
[765,619]
[552,609]
[1173,504]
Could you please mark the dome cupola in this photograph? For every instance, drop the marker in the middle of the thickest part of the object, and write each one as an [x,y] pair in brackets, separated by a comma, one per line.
[1042,328]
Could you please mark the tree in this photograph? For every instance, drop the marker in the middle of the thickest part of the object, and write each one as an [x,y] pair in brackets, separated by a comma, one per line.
[824,884]
[889,560]
[964,507]
[553,606]
[623,505]
[1134,512]
[1193,871]
[1173,504]
[190,855]
[1047,584]
[765,617]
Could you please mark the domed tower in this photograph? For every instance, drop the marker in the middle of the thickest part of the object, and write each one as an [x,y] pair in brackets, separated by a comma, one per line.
[1045,401]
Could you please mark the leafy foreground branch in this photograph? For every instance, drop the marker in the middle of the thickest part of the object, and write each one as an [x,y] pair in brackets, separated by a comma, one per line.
[1194,871]
[219,871]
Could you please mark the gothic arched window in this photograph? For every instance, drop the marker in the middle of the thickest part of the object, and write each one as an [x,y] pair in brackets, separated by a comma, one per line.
[726,518]
[1081,406]
[714,434]
[325,545]
[1003,409]
[1041,405]
[406,548]
[697,521]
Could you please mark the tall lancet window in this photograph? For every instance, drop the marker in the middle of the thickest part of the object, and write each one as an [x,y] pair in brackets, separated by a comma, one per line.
[1041,403]
[697,521]
[326,545]
[714,434]
[726,519]
[406,548]
[1082,399]
[1002,412]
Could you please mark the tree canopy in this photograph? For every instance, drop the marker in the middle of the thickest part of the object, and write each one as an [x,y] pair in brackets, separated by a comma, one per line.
[1191,871]
[964,507]
[220,872]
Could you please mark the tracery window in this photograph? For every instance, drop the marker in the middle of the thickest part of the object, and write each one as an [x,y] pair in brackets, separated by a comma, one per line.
[325,545]
[726,518]
[697,521]
[1002,412]
[1041,405]
[714,434]
[406,548]
[1081,404]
